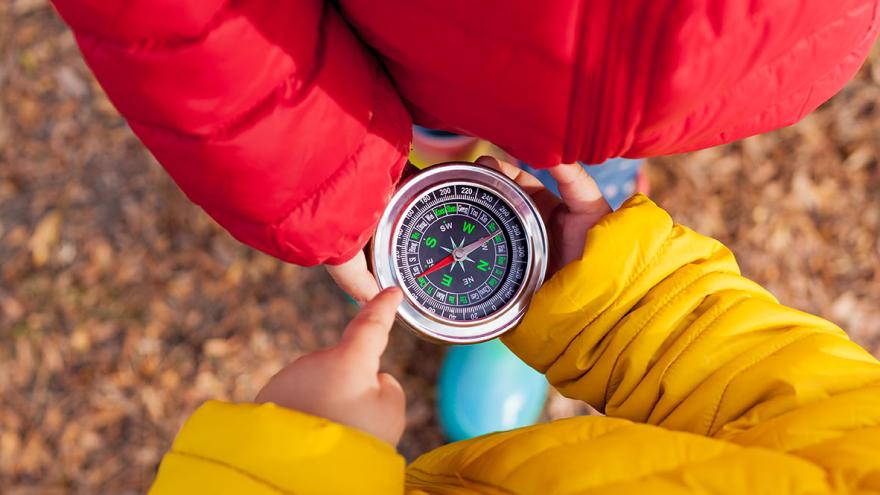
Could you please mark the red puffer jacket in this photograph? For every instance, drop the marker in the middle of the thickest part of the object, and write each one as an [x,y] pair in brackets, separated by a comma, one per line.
[288,121]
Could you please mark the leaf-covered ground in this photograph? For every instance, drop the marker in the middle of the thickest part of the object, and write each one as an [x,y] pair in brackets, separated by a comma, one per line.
[123,307]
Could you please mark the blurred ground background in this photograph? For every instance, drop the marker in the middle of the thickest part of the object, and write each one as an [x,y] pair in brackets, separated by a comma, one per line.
[123,307]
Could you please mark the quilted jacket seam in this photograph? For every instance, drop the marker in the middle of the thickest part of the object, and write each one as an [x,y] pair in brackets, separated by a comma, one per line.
[751,74]
[332,178]
[654,73]
[710,325]
[421,476]
[673,365]
[836,67]
[668,300]
[515,438]
[840,431]
[575,77]
[233,468]
[598,135]
[737,450]
[245,119]
[699,336]
[162,43]
[543,451]
[747,26]
[637,274]
[717,406]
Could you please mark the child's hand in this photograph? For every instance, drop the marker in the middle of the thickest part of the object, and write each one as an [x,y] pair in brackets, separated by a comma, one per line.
[355,278]
[343,383]
[582,206]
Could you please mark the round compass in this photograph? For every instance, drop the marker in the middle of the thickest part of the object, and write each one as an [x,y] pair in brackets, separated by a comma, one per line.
[468,248]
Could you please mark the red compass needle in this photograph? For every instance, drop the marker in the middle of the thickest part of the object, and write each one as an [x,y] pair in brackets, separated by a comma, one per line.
[440,264]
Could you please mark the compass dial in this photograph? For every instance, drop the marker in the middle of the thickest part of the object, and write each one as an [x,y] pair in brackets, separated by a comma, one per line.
[461,252]
[468,248]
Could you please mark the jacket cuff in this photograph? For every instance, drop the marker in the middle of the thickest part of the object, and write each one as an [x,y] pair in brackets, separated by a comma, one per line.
[251,448]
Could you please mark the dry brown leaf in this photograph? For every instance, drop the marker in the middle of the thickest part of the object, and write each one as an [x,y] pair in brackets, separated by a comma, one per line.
[12,309]
[10,445]
[34,455]
[22,7]
[16,237]
[80,340]
[45,237]
[216,347]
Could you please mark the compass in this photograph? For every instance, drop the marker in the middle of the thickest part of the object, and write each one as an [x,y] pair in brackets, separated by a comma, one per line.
[468,248]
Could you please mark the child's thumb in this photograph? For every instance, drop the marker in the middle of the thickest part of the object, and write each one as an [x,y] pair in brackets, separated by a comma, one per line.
[578,190]
[367,335]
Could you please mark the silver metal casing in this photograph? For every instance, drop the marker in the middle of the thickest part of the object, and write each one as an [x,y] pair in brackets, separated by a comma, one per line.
[432,326]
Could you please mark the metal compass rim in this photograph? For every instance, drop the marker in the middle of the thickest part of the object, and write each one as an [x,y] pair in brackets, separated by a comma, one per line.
[431,326]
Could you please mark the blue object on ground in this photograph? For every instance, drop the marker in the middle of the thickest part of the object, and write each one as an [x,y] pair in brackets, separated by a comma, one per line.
[616,178]
[485,388]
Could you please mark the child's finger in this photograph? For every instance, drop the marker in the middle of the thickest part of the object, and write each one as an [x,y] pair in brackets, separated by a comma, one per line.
[545,200]
[579,191]
[390,389]
[367,335]
[355,279]
[525,180]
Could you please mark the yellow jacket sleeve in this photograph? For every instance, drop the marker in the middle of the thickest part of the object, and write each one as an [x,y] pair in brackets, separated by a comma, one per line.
[655,324]
[266,449]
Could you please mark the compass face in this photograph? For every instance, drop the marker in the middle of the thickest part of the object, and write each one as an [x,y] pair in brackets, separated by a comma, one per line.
[468,248]
[461,252]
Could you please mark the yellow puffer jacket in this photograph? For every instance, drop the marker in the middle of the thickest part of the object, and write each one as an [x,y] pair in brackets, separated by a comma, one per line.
[709,384]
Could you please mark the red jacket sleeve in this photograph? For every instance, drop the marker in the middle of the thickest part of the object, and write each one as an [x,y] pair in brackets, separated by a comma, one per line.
[270,115]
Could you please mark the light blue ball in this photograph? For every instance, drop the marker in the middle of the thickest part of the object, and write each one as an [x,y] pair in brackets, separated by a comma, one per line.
[485,388]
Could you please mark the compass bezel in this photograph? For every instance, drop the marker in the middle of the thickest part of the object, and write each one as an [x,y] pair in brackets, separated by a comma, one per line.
[429,325]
